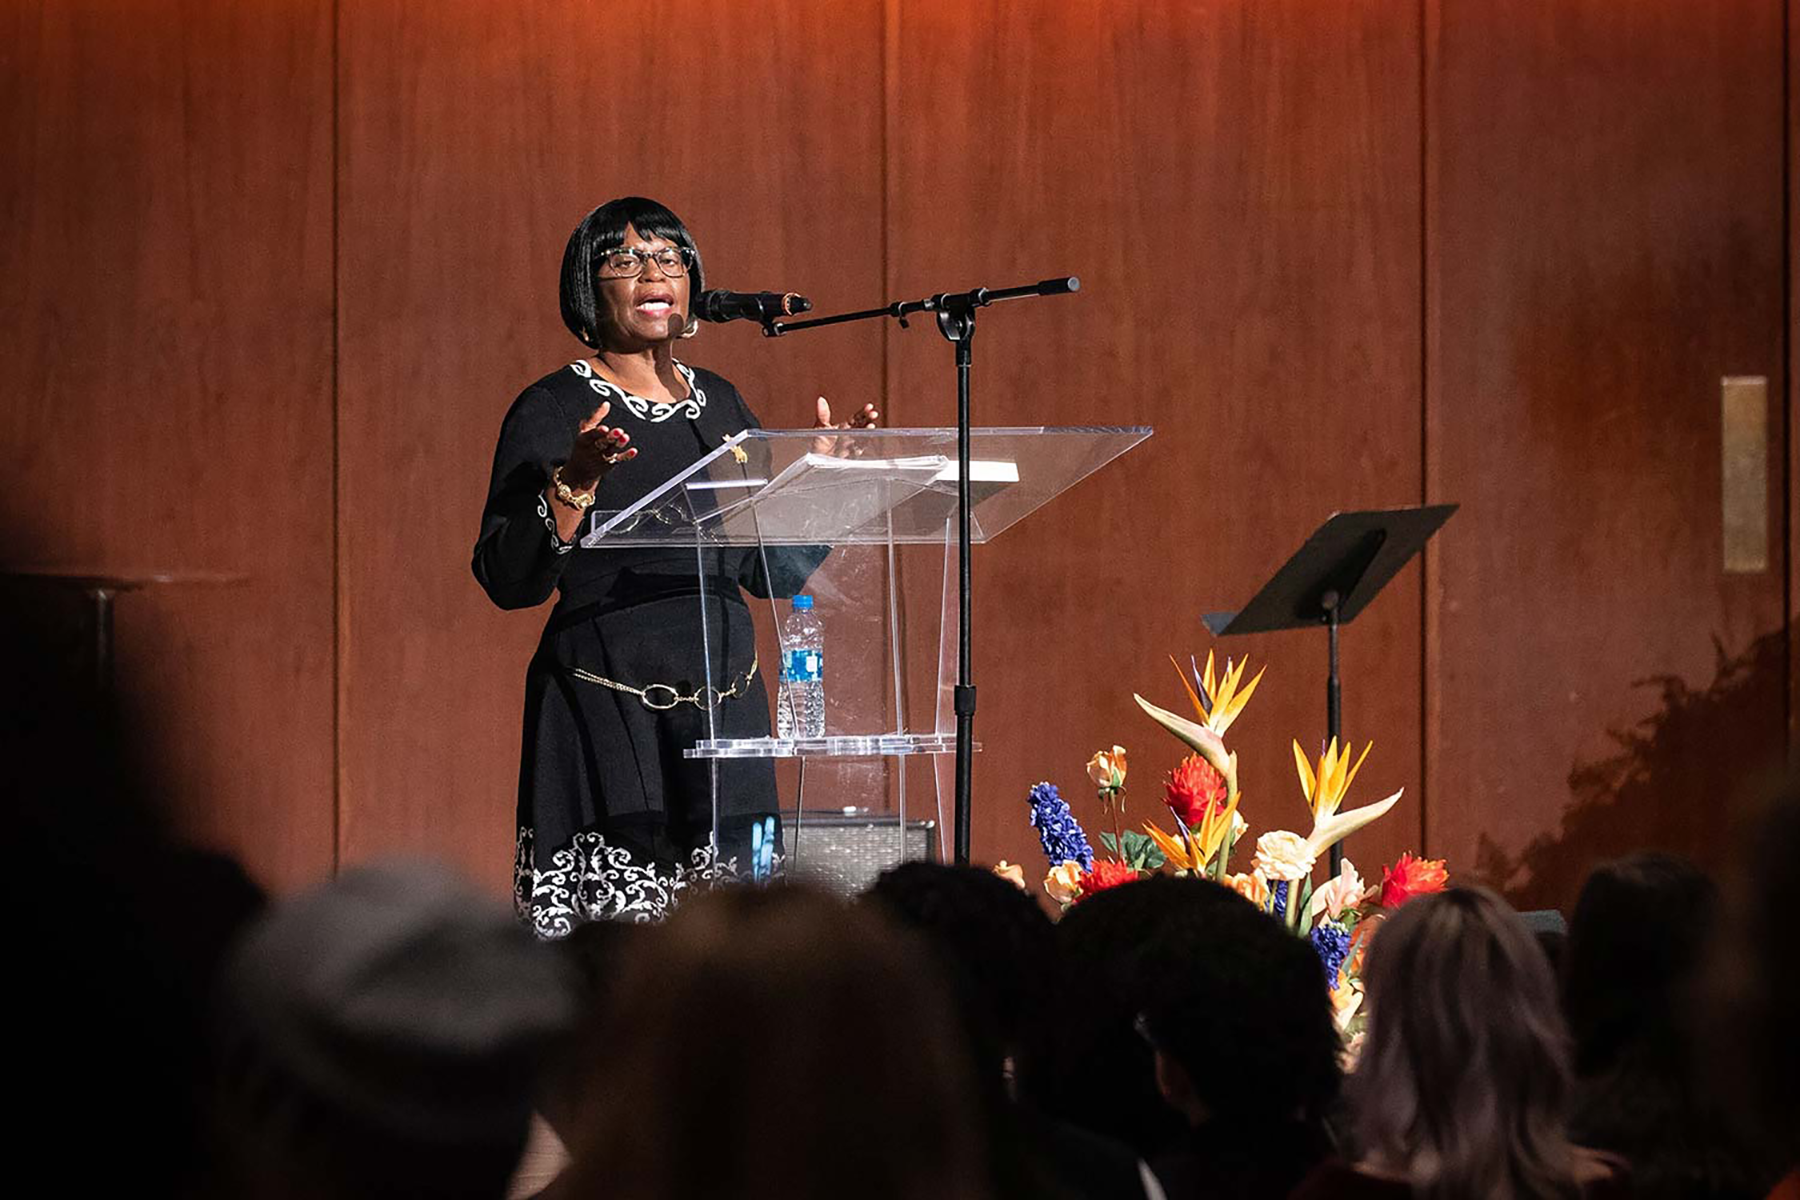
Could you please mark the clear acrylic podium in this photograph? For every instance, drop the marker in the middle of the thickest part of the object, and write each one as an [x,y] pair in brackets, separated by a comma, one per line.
[875,509]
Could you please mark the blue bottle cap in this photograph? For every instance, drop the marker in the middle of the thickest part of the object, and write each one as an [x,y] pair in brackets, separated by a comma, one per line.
[802,602]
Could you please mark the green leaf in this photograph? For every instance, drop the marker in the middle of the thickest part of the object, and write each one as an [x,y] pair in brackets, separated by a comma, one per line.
[1142,852]
[1107,840]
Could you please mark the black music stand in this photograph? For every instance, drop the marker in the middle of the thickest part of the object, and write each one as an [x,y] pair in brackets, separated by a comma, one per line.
[1329,580]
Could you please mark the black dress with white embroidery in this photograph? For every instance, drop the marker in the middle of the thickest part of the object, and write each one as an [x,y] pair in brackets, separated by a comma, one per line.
[612,820]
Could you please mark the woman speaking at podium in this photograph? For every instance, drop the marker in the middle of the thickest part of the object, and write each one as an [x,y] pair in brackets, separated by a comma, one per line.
[611,817]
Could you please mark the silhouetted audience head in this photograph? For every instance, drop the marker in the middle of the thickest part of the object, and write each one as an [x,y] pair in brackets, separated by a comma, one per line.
[382,1037]
[1093,1068]
[1642,929]
[1463,1083]
[996,945]
[1246,1049]
[773,1043]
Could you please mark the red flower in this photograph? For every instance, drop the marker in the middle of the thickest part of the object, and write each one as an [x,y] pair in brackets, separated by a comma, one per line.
[1106,874]
[1191,788]
[1410,877]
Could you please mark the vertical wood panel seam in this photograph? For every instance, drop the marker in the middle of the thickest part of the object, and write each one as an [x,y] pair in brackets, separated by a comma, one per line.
[1427,627]
[890,71]
[1424,433]
[337,529]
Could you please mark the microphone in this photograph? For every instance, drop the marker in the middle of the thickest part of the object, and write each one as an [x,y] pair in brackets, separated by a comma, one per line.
[721,305]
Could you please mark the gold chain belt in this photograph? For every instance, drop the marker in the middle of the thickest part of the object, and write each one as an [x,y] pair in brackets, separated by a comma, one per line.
[707,697]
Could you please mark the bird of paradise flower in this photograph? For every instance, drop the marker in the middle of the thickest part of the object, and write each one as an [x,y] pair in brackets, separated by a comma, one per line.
[1218,700]
[1324,788]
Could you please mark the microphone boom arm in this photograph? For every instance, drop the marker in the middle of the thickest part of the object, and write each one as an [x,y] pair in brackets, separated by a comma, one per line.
[955,313]
[953,303]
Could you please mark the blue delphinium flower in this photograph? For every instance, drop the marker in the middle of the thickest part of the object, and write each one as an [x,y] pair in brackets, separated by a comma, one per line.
[1332,941]
[1279,893]
[1057,828]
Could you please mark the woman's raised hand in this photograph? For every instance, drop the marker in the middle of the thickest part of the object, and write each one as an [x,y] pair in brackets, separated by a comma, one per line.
[598,448]
[862,420]
[866,418]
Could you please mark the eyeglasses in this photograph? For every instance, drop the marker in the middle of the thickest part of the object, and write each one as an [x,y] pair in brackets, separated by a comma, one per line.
[629,264]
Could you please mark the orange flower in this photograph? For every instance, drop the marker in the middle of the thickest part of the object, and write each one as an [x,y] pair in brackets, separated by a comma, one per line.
[1253,887]
[1410,877]
[1108,771]
[1063,883]
[1174,849]
[1194,789]
[1218,700]
[1013,873]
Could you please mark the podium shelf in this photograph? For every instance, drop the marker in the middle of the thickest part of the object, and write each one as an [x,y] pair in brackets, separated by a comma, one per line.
[879,745]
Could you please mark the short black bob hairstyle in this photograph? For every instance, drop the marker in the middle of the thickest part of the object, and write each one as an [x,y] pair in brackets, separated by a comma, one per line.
[603,230]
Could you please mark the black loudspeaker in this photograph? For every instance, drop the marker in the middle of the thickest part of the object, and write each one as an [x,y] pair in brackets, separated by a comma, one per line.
[842,852]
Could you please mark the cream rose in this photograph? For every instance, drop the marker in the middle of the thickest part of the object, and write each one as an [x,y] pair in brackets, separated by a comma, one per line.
[1013,873]
[1282,856]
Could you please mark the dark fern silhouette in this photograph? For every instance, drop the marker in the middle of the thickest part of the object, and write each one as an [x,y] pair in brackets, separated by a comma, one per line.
[1675,783]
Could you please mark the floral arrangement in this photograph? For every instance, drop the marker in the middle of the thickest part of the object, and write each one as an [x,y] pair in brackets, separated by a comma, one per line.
[1202,797]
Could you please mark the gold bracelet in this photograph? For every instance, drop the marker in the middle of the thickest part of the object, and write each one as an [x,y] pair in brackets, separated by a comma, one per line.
[579,501]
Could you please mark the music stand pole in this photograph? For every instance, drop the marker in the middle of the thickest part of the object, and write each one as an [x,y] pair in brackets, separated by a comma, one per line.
[1333,577]
[1334,697]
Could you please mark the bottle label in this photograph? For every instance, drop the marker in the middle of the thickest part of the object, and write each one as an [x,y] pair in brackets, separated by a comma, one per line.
[803,666]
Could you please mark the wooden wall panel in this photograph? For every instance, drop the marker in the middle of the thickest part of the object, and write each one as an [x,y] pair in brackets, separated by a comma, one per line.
[1606,243]
[165,318]
[1237,185]
[475,135]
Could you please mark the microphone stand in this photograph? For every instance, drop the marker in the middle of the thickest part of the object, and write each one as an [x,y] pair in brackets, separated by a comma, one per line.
[955,313]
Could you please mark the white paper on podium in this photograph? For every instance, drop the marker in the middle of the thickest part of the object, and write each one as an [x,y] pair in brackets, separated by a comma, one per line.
[822,499]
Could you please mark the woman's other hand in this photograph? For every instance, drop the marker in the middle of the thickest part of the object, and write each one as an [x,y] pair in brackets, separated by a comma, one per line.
[866,418]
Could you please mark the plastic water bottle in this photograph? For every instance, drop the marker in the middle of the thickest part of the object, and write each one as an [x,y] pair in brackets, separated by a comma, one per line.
[800,706]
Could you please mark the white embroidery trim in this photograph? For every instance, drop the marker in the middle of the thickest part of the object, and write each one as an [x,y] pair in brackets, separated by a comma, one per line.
[556,542]
[588,880]
[655,411]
